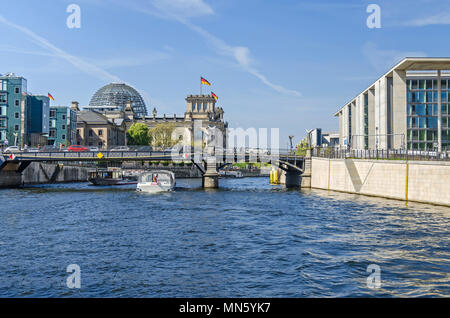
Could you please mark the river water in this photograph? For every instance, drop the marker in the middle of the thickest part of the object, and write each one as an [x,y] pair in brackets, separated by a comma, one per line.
[246,239]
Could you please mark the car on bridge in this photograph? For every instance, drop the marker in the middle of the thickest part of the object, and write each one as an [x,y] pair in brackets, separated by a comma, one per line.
[120,148]
[49,148]
[12,149]
[77,148]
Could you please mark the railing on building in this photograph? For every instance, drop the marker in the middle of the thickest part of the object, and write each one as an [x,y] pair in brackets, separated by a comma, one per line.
[381,154]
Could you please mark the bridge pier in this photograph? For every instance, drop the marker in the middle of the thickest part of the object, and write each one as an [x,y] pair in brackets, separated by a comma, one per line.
[306,176]
[291,178]
[10,175]
[211,176]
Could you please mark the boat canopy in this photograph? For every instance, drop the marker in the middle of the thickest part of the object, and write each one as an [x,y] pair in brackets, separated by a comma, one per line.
[157,176]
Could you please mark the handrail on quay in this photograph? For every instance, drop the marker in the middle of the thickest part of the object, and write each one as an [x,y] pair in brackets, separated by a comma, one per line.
[381,154]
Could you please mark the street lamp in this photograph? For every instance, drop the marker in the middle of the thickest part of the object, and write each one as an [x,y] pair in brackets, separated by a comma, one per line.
[290,140]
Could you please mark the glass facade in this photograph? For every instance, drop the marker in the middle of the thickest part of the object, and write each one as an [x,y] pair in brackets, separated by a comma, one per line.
[422,113]
[445,113]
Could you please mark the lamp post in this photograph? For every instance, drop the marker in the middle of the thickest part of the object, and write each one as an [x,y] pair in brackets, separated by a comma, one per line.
[290,140]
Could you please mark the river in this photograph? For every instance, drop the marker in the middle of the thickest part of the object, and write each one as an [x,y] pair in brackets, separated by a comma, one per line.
[246,239]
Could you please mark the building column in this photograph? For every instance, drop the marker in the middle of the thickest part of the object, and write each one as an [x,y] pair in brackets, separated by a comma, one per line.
[439,126]
[399,109]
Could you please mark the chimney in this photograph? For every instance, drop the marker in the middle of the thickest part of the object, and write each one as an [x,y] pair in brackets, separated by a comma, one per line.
[75,106]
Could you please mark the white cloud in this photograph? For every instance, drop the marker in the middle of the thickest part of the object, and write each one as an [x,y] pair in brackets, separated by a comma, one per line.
[438,19]
[75,61]
[182,10]
[130,60]
[381,60]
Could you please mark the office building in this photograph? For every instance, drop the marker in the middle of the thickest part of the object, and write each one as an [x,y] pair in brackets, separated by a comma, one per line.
[406,108]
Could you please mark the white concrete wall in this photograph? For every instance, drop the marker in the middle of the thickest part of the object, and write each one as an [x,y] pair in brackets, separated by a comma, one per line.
[399,109]
[428,182]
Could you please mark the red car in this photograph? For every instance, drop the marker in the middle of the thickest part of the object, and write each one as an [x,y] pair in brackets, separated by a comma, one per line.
[76,148]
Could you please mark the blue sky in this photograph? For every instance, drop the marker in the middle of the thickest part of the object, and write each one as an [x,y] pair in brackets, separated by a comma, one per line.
[286,64]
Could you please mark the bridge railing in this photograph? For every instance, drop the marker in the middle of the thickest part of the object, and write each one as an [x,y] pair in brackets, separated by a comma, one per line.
[381,154]
[221,155]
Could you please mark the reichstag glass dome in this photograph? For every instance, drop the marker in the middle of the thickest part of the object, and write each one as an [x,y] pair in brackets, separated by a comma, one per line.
[118,94]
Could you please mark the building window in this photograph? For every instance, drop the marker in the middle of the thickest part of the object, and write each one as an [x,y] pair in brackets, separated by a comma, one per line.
[17,102]
[17,90]
[52,133]
[2,123]
[3,98]
[91,133]
[100,132]
[63,127]
[63,137]
[3,110]
[16,127]
[422,112]
[100,144]
[16,115]
[52,113]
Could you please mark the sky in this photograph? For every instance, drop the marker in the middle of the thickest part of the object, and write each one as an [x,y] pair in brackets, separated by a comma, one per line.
[286,64]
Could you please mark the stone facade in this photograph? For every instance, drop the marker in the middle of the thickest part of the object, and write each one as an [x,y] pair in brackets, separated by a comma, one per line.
[200,109]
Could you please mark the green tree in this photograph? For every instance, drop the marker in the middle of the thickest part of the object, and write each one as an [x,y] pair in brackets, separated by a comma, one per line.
[138,135]
[302,147]
[162,135]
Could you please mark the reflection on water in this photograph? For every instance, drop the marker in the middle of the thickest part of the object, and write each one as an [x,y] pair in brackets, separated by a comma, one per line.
[247,238]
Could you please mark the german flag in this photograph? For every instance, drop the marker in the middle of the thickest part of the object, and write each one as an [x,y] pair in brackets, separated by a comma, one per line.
[214,95]
[50,96]
[204,81]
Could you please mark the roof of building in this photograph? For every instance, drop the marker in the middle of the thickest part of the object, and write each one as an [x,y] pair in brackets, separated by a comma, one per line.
[90,117]
[118,94]
[410,64]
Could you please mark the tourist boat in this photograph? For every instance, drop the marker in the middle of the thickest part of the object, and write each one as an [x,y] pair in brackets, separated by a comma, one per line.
[156,181]
[109,177]
[230,174]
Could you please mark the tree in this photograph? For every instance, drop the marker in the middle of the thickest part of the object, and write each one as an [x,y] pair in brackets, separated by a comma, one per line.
[162,135]
[302,147]
[138,135]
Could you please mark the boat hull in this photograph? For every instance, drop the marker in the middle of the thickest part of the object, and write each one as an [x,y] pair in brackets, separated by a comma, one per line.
[154,188]
[110,182]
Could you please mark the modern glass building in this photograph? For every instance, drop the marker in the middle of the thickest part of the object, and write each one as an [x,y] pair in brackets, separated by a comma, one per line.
[406,108]
[63,126]
[116,96]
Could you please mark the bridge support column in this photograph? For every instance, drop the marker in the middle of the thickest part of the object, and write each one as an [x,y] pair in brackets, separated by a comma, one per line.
[10,176]
[211,176]
[291,178]
[306,175]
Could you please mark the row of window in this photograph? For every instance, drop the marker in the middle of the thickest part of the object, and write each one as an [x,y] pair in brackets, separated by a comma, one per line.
[427,146]
[422,122]
[52,134]
[428,135]
[4,100]
[427,84]
[199,106]
[427,97]
[91,132]
[53,114]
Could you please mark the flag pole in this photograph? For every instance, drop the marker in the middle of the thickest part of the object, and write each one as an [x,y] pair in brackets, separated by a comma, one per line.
[200,85]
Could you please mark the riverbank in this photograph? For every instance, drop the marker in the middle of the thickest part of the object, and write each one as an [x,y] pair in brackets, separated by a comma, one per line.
[418,181]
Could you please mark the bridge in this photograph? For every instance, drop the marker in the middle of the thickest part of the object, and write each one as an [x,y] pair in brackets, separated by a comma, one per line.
[208,163]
